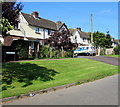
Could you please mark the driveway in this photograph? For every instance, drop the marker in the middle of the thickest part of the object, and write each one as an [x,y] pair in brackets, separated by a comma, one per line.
[104,59]
[99,92]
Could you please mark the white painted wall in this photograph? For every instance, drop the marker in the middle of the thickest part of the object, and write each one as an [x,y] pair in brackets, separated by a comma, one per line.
[27,30]
[79,38]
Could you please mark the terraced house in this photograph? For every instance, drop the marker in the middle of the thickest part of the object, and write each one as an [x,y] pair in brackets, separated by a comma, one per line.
[32,28]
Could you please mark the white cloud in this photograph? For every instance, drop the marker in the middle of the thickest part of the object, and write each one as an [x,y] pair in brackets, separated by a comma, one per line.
[106,11]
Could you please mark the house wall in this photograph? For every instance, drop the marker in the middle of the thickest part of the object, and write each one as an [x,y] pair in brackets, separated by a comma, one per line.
[26,30]
[79,39]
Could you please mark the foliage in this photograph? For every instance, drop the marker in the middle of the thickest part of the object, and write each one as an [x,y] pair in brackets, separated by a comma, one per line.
[117,50]
[22,47]
[68,54]
[5,26]
[60,40]
[108,41]
[10,11]
[102,51]
[44,52]
[102,40]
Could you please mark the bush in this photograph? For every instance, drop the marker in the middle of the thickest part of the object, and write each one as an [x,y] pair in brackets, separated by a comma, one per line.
[117,50]
[23,48]
[102,51]
[44,52]
[68,53]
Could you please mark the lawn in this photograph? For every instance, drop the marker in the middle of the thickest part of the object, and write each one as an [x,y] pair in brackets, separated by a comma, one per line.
[29,76]
[116,56]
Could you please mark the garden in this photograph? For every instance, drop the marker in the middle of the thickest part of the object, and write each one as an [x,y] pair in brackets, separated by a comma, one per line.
[28,76]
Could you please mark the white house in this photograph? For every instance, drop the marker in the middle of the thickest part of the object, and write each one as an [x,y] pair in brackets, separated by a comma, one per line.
[79,37]
[32,28]
[115,42]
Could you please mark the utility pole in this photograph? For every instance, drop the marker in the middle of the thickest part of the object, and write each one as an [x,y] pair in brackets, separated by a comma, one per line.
[91,23]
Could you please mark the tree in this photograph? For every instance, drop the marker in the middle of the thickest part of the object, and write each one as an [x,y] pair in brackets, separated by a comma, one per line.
[10,13]
[60,41]
[108,41]
[117,49]
[102,40]
[5,26]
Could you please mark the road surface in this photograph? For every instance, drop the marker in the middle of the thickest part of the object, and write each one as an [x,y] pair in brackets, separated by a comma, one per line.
[104,59]
[99,92]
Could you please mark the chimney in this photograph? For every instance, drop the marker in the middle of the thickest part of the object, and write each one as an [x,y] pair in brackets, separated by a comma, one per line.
[35,14]
[59,22]
[78,28]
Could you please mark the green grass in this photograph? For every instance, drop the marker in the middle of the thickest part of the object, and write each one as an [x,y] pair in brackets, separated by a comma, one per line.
[36,75]
[116,56]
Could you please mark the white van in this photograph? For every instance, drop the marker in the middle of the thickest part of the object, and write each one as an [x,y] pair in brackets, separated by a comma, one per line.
[87,50]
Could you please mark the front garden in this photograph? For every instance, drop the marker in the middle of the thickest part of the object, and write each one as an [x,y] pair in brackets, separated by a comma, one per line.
[29,76]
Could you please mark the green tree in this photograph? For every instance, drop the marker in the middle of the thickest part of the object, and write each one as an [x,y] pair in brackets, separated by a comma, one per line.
[102,40]
[5,26]
[117,50]
[10,14]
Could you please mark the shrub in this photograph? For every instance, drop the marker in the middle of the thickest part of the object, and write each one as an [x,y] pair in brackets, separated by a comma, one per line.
[117,50]
[23,48]
[102,51]
[69,53]
[44,52]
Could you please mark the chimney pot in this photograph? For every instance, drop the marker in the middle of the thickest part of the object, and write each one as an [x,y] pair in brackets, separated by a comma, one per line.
[35,14]
[78,28]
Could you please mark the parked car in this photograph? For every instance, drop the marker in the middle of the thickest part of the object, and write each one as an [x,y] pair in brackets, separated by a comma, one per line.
[86,50]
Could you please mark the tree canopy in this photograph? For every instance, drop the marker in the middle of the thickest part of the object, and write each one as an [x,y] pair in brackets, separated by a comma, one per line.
[59,40]
[10,13]
[102,40]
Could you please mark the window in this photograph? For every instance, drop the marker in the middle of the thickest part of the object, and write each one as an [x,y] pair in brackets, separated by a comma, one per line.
[32,45]
[37,30]
[16,26]
[75,37]
[49,32]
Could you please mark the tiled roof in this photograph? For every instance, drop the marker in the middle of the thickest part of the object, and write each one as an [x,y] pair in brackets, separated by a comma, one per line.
[83,34]
[40,22]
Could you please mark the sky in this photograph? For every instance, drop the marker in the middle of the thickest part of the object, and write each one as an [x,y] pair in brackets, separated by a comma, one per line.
[77,14]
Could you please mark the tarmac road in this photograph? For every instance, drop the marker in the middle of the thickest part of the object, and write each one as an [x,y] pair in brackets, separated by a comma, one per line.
[99,92]
[104,59]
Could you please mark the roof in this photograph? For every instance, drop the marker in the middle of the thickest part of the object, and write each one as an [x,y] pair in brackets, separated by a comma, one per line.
[117,40]
[40,22]
[59,24]
[71,30]
[83,34]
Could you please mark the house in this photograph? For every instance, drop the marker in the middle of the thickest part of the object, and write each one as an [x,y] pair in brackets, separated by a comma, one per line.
[79,37]
[32,28]
[115,42]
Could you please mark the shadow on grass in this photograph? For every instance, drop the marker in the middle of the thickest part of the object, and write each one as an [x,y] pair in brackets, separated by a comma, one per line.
[25,72]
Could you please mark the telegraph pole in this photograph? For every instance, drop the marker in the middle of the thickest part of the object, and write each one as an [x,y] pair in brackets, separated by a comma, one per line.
[91,23]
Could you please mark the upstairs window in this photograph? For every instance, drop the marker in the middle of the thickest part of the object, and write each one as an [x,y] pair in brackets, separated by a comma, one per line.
[16,26]
[37,30]
[49,32]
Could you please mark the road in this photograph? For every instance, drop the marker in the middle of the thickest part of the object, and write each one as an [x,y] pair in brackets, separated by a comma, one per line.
[104,59]
[99,92]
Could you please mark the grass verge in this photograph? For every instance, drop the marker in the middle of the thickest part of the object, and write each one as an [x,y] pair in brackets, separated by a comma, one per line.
[116,56]
[29,76]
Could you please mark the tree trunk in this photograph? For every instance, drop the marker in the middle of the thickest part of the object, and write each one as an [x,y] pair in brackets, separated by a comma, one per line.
[62,52]
[50,52]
